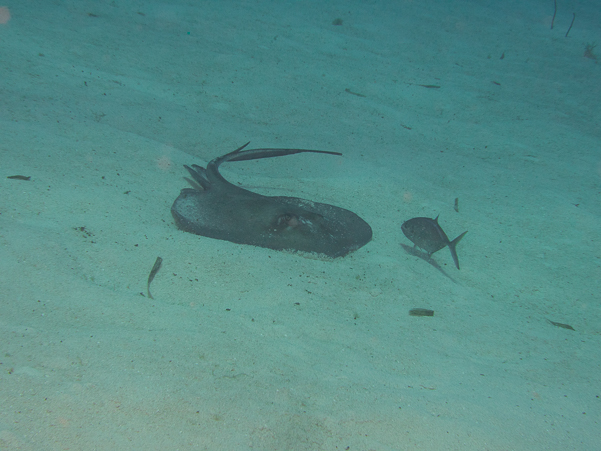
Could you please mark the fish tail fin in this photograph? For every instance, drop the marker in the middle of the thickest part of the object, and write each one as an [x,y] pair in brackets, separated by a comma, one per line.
[453,245]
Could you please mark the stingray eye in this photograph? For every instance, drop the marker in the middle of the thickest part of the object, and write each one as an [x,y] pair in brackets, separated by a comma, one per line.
[283,219]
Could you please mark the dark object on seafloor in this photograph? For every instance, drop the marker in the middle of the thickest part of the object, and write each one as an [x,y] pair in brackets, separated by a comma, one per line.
[153,272]
[571,24]
[563,326]
[218,209]
[421,312]
[426,234]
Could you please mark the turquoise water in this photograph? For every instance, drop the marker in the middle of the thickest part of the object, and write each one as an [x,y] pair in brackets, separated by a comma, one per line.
[101,105]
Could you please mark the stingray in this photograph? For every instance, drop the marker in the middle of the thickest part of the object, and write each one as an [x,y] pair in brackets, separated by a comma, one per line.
[215,208]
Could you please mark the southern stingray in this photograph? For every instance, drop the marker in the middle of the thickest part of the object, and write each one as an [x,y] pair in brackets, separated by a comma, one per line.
[216,208]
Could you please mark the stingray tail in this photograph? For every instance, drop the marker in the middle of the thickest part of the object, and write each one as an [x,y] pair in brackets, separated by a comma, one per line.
[212,171]
[256,154]
[453,245]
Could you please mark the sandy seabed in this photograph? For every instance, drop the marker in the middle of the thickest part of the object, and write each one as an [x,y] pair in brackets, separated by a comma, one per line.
[103,102]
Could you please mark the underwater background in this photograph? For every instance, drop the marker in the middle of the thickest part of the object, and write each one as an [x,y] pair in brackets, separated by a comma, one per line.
[479,105]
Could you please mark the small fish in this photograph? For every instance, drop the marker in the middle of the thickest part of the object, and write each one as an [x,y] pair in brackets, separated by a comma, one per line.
[562,325]
[427,234]
[421,312]
[153,272]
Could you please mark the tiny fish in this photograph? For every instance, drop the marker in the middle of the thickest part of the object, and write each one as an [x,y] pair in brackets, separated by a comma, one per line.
[425,233]
[354,93]
[421,312]
[153,272]
[564,326]
[19,177]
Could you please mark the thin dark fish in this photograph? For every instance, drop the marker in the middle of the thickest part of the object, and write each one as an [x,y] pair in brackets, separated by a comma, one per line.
[426,234]
[153,272]
[19,177]
[354,93]
[563,326]
[421,312]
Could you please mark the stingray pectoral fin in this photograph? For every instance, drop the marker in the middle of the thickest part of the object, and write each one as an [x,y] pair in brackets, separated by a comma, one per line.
[453,245]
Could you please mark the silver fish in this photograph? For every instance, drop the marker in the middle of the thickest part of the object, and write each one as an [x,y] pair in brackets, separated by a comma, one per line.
[426,234]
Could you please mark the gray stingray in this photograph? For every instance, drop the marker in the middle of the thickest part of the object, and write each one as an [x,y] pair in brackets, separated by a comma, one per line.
[218,209]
